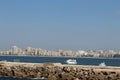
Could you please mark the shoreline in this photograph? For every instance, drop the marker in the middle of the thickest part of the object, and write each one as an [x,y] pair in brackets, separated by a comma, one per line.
[58,71]
[62,57]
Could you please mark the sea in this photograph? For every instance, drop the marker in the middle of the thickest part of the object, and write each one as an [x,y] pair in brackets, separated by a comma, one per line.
[80,61]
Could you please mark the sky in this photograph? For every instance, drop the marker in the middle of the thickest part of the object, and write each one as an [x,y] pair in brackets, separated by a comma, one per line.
[60,24]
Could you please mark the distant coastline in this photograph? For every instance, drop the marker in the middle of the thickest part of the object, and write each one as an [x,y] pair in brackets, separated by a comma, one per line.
[38,52]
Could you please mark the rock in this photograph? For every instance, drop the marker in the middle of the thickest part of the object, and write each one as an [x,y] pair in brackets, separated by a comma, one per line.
[56,71]
[66,69]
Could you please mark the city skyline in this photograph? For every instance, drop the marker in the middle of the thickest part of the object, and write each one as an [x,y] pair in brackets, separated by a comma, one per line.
[58,49]
[87,25]
[30,51]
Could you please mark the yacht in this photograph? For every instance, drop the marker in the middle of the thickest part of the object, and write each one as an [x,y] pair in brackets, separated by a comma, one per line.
[71,61]
[102,64]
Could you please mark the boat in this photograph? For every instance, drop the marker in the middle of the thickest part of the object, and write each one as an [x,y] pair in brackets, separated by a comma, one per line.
[102,64]
[71,61]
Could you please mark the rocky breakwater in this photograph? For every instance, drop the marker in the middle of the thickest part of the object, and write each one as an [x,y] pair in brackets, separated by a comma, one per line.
[57,71]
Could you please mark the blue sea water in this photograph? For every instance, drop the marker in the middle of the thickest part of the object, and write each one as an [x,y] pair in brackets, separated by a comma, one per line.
[11,78]
[80,61]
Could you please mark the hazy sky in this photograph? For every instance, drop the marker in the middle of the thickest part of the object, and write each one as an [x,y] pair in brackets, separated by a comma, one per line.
[64,24]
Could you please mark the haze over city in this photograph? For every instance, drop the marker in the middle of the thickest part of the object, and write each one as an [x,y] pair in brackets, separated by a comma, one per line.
[63,24]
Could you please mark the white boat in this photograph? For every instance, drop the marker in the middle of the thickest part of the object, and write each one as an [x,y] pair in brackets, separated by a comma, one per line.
[102,64]
[71,61]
